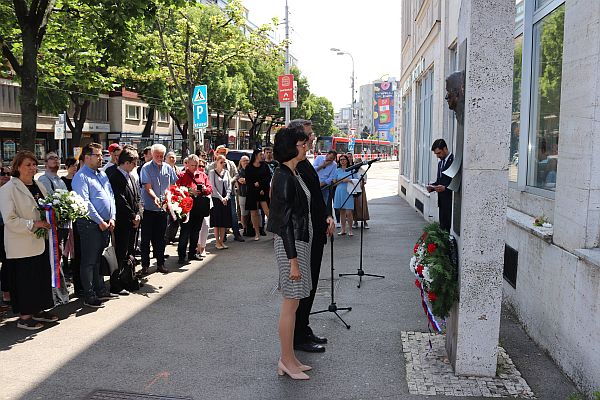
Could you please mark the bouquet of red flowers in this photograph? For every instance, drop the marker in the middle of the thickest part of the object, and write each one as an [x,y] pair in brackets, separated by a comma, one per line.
[178,203]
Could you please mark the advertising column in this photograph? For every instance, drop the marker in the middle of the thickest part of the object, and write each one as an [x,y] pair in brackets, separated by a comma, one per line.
[383,111]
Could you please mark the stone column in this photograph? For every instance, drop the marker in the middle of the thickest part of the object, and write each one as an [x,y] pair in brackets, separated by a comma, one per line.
[488,29]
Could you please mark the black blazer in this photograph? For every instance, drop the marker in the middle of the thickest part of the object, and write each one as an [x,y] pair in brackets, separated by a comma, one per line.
[288,212]
[445,197]
[318,209]
[127,197]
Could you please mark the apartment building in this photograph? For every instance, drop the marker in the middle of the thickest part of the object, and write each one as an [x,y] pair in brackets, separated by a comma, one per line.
[551,274]
[96,128]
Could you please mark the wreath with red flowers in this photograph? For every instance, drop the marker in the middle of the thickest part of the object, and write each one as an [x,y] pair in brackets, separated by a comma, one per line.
[436,270]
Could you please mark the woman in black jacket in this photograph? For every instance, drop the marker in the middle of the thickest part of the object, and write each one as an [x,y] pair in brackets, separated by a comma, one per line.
[290,221]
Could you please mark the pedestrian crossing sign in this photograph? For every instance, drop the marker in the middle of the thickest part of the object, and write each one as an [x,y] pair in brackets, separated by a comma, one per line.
[199,96]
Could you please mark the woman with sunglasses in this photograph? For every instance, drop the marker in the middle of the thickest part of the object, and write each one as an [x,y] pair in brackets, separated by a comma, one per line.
[291,224]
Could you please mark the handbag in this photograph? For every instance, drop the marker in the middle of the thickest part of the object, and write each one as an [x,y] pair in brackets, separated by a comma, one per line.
[108,261]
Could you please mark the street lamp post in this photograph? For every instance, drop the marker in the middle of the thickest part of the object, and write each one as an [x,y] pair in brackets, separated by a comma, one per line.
[341,53]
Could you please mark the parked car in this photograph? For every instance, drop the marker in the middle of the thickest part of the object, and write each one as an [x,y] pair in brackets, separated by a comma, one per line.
[235,155]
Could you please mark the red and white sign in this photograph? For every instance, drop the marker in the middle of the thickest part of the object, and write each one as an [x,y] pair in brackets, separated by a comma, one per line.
[286,88]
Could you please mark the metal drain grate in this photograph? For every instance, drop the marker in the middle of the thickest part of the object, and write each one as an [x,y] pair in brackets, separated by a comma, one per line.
[116,395]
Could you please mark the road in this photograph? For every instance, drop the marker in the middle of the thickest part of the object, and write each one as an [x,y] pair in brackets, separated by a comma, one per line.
[208,330]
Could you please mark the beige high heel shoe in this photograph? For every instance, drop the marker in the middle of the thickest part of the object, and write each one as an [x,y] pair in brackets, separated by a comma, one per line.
[282,369]
[305,368]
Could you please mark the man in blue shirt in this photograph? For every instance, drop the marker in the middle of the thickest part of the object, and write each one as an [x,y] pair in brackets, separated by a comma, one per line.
[326,167]
[93,186]
[155,177]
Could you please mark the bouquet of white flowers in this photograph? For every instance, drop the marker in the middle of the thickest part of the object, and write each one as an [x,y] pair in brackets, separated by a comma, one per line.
[66,206]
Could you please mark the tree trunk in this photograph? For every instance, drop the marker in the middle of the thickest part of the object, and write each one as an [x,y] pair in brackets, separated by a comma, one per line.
[79,118]
[149,122]
[29,90]
[190,128]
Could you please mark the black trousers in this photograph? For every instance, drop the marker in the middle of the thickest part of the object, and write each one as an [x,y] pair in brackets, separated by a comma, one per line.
[445,211]
[154,224]
[188,236]
[302,328]
[124,243]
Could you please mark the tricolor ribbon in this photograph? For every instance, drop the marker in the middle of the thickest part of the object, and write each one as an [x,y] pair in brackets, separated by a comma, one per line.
[53,242]
[432,321]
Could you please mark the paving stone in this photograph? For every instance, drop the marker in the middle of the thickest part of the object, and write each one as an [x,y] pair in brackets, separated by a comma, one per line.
[429,373]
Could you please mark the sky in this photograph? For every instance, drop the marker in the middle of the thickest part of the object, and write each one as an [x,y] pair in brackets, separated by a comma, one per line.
[369,30]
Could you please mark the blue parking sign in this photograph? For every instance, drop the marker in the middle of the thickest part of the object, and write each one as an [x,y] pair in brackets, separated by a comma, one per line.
[200,116]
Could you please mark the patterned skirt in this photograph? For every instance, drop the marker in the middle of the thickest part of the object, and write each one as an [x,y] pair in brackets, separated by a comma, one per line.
[293,289]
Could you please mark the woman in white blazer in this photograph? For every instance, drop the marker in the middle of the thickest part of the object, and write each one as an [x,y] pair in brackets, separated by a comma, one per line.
[26,254]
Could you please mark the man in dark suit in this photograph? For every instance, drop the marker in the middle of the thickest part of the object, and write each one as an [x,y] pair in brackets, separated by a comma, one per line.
[323,225]
[127,200]
[440,149]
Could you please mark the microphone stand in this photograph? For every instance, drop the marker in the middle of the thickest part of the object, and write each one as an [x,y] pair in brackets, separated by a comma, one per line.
[333,308]
[360,273]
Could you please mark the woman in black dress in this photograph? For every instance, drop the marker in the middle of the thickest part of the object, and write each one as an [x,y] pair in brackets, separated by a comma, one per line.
[30,285]
[258,179]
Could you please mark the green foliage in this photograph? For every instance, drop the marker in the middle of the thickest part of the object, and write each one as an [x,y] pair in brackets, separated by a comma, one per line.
[202,44]
[578,396]
[517,74]
[551,46]
[320,111]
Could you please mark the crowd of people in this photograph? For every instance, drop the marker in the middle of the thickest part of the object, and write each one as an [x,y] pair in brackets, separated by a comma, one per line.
[276,188]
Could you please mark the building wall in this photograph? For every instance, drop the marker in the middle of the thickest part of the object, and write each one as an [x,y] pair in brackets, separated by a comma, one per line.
[421,54]
[557,290]
[365,108]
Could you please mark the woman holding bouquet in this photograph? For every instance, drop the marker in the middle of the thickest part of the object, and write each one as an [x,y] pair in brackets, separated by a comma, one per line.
[27,254]
[220,214]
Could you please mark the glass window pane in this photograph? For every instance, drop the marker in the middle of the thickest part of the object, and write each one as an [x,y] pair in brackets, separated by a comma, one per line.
[515,126]
[546,81]
[519,11]
[406,135]
[541,3]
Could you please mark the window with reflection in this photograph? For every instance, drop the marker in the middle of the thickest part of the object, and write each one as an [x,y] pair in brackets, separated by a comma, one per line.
[545,99]
[406,135]
[515,125]
[424,127]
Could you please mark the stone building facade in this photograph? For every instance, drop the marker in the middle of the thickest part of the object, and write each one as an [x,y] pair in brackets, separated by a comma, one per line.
[552,273]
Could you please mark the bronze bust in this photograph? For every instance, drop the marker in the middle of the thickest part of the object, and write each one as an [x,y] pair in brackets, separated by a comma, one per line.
[455,94]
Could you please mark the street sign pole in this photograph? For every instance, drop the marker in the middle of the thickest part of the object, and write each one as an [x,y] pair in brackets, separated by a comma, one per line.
[287,57]
[200,111]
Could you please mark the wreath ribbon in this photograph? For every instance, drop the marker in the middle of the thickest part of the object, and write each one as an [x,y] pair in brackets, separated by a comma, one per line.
[53,247]
[430,317]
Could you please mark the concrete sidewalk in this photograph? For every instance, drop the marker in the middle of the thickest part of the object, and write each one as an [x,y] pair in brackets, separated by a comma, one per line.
[208,330]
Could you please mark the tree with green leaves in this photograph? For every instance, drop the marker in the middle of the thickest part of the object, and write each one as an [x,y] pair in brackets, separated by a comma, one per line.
[88,35]
[21,35]
[198,39]
[320,111]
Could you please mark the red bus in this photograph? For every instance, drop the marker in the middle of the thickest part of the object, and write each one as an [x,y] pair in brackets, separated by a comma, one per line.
[363,148]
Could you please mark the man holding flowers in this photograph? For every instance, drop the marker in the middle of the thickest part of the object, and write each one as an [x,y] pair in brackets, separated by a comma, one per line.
[93,186]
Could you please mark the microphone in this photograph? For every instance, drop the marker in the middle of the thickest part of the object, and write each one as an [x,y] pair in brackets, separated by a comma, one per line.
[356,167]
